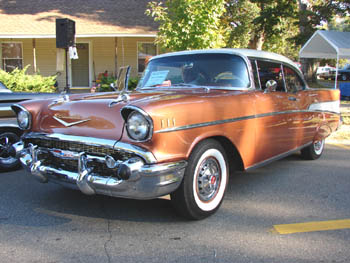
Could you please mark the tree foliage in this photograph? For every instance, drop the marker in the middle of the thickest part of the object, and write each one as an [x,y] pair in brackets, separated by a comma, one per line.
[314,14]
[281,26]
[262,24]
[188,24]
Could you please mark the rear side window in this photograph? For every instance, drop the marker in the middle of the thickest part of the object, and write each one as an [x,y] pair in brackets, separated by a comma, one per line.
[292,79]
[270,71]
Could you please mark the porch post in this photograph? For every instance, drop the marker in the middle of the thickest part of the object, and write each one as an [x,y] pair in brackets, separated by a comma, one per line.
[34,55]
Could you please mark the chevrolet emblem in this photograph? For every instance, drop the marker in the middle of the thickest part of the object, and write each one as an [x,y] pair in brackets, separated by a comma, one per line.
[68,124]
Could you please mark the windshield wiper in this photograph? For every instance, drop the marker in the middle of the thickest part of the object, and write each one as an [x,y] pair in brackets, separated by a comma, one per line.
[185,84]
[173,85]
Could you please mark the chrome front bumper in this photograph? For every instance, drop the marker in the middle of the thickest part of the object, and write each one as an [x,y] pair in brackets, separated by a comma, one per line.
[133,178]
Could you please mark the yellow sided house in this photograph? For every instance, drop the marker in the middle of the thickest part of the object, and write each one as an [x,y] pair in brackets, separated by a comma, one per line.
[109,34]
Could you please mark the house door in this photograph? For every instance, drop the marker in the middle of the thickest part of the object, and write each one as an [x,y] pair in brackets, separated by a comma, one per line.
[80,67]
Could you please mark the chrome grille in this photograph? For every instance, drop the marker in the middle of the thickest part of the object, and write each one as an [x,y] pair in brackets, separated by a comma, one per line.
[72,165]
[79,147]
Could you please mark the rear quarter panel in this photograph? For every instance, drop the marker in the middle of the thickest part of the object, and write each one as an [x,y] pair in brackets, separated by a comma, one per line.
[320,114]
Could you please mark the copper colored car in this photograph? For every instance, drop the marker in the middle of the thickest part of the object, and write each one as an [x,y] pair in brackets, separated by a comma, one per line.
[195,118]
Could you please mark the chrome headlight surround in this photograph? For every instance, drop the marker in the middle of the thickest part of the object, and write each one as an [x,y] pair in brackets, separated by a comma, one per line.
[24,118]
[139,125]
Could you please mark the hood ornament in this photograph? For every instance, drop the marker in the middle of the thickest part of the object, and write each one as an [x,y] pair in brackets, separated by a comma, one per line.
[61,99]
[122,97]
[68,124]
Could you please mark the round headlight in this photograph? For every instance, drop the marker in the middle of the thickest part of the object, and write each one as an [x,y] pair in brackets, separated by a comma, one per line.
[137,126]
[23,119]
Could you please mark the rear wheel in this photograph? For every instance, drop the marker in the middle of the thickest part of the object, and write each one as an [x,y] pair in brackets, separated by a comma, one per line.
[8,160]
[204,184]
[313,151]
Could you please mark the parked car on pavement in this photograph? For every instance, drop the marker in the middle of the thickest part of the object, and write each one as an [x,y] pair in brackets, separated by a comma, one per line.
[195,117]
[325,72]
[344,73]
[9,130]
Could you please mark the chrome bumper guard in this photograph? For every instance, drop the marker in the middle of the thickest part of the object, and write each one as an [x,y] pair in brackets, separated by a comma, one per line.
[134,178]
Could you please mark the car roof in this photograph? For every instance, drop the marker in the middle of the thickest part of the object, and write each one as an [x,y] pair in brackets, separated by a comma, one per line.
[236,51]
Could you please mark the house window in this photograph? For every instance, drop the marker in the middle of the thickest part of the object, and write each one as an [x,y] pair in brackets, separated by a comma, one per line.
[11,56]
[145,51]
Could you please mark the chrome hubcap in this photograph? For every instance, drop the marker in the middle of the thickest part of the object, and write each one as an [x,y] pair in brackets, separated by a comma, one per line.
[318,146]
[6,152]
[208,179]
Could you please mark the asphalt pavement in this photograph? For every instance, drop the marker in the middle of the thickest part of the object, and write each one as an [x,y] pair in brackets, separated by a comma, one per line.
[48,223]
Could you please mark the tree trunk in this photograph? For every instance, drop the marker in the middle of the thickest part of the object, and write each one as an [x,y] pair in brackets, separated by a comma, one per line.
[308,66]
[257,41]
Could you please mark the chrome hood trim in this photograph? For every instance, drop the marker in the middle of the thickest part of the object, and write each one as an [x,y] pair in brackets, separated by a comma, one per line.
[69,124]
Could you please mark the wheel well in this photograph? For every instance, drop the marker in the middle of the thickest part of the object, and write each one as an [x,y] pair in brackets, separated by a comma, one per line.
[17,131]
[234,158]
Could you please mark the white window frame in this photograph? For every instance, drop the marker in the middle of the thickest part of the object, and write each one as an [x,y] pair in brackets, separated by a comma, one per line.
[137,52]
[11,42]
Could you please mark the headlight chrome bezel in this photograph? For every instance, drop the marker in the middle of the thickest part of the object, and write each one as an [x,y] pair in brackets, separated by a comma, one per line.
[21,110]
[129,112]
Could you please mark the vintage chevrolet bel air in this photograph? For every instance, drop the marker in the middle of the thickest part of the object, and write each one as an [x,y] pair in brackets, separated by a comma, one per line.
[195,118]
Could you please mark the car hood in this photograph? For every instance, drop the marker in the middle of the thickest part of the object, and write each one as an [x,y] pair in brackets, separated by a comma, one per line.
[99,115]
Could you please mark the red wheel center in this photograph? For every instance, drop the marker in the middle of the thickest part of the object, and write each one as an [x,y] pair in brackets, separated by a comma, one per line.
[212,180]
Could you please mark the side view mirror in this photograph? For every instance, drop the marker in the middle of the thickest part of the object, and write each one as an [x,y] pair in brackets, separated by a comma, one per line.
[112,85]
[271,86]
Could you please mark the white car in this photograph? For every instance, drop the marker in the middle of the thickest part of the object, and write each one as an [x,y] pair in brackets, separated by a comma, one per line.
[325,72]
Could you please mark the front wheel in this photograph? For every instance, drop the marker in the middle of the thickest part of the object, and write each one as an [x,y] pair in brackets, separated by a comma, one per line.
[344,77]
[204,184]
[313,151]
[8,160]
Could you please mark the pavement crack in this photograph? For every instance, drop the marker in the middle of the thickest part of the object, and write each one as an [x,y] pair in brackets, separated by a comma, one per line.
[110,235]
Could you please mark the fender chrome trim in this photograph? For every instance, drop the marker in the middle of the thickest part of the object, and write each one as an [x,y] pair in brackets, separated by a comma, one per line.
[211,123]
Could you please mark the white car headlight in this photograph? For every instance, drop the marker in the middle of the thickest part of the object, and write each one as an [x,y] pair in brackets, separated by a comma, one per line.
[23,119]
[138,126]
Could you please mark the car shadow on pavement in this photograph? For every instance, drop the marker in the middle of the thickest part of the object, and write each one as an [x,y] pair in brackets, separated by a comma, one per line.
[57,205]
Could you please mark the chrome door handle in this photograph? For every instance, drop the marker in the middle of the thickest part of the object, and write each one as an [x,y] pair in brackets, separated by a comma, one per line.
[292,98]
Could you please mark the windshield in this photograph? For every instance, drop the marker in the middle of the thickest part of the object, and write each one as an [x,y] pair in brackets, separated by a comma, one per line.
[209,70]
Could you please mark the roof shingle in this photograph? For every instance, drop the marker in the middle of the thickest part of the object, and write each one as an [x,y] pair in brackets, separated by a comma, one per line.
[37,17]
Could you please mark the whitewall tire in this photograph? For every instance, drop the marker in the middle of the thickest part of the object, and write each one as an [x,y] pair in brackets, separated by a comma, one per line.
[204,184]
[313,151]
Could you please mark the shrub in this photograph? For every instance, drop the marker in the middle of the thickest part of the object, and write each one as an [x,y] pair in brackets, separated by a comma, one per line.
[19,81]
[132,84]
[104,82]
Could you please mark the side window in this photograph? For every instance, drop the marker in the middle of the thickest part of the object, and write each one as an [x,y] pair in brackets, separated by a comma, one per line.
[270,71]
[292,79]
[254,64]
[11,56]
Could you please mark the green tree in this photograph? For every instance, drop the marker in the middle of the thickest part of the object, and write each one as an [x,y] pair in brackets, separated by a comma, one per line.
[259,20]
[238,22]
[316,14]
[266,25]
[188,24]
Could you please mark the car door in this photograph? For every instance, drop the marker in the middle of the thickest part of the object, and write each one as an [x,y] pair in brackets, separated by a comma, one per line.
[276,113]
[301,119]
